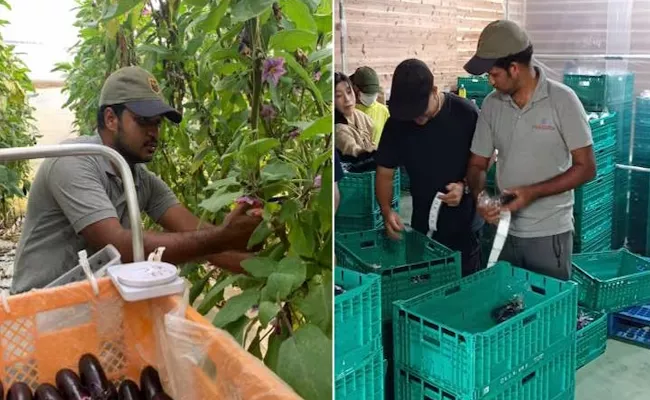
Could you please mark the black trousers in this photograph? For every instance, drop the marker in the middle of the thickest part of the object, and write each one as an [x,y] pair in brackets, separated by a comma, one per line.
[469,245]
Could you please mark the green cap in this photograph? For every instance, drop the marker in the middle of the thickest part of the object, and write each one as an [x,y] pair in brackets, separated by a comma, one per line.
[366,79]
[139,91]
[501,38]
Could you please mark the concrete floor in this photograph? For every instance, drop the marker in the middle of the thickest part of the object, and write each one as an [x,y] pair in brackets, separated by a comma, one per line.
[622,373]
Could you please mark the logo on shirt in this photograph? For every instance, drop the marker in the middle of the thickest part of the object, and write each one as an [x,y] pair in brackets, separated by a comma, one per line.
[545,125]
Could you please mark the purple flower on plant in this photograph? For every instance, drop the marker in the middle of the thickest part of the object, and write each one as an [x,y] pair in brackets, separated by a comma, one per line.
[273,69]
[146,12]
[250,200]
[294,133]
[318,181]
[317,76]
[268,112]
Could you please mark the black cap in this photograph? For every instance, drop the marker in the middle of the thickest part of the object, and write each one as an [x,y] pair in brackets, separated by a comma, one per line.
[410,90]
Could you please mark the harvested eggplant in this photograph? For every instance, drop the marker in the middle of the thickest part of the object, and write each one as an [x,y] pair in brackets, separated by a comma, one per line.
[69,384]
[129,391]
[150,383]
[94,378]
[162,396]
[47,392]
[19,391]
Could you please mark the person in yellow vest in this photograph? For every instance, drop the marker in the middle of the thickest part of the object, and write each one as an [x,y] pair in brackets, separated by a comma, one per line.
[367,89]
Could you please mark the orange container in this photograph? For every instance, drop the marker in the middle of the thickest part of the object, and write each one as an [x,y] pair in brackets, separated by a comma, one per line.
[47,330]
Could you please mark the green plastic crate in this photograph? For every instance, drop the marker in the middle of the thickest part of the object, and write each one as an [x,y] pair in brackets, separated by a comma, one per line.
[478,86]
[364,382]
[357,223]
[598,238]
[595,220]
[447,335]
[408,267]
[603,130]
[591,90]
[594,194]
[358,193]
[611,281]
[591,340]
[357,316]
[605,160]
[554,379]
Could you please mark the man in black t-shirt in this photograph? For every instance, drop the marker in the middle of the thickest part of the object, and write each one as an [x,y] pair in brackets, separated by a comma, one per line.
[430,134]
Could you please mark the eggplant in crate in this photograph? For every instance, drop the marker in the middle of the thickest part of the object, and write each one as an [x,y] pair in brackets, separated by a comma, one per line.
[452,337]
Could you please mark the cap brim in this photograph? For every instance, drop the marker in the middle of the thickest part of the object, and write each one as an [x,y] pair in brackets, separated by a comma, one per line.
[154,108]
[478,66]
[370,89]
[407,109]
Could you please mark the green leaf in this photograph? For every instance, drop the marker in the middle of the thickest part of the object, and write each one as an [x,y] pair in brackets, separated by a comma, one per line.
[215,294]
[289,210]
[236,307]
[278,170]
[325,199]
[305,363]
[260,147]
[219,201]
[238,328]
[212,20]
[260,234]
[259,267]
[291,40]
[198,286]
[294,267]
[321,55]
[298,12]
[302,239]
[278,287]
[122,7]
[5,4]
[247,9]
[317,305]
[320,126]
[267,312]
[273,350]
[298,69]
[196,3]
[324,23]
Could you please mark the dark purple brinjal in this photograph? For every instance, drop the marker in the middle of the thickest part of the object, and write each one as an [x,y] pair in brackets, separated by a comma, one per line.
[19,391]
[69,384]
[94,379]
[129,391]
[150,383]
[162,396]
[47,392]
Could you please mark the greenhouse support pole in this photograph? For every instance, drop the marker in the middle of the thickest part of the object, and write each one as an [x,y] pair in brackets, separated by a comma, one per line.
[344,34]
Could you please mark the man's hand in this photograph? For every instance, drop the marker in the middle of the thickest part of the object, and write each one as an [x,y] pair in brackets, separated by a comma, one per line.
[454,194]
[230,260]
[394,225]
[490,214]
[240,224]
[523,196]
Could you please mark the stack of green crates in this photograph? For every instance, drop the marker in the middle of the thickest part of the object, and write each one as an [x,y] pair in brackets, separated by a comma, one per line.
[359,209]
[594,201]
[408,267]
[358,354]
[613,92]
[449,342]
[640,181]
[477,87]
[405,182]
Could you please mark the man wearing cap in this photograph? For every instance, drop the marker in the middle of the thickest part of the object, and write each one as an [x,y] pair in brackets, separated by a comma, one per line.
[541,133]
[367,89]
[78,203]
[429,133]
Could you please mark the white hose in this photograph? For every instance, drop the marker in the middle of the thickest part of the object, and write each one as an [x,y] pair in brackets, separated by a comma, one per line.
[433,214]
[499,238]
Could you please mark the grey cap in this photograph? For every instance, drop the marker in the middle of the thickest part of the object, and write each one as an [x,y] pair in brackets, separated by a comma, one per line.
[139,91]
[501,38]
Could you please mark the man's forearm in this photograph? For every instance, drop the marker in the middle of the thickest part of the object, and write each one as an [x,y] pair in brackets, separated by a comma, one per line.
[570,179]
[180,247]
[475,180]
[384,190]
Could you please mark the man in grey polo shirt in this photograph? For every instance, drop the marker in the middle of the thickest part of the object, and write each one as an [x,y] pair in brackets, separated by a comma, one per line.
[541,133]
[78,203]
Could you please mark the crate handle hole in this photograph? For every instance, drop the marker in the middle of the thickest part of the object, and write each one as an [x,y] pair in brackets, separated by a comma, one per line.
[431,340]
[538,290]
[528,378]
[423,278]
[448,332]
[428,386]
[368,243]
[529,319]
[452,290]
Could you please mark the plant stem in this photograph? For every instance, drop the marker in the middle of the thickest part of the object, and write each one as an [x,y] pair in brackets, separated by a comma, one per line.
[286,320]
